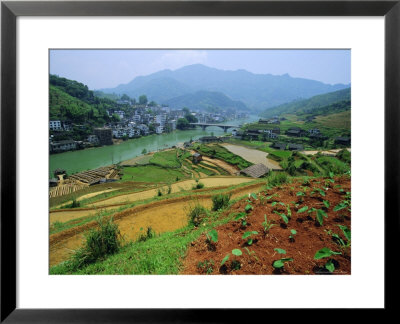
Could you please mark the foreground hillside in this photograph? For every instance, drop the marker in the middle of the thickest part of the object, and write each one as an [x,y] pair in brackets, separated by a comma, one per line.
[281,231]
[240,230]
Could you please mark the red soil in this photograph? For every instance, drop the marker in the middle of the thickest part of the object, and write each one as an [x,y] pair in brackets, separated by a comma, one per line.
[310,236]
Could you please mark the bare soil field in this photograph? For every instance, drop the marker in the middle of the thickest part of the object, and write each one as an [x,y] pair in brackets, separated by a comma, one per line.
[253,156]
[267,247]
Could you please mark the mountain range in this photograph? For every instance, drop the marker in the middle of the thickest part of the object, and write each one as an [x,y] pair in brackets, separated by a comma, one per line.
[200,85]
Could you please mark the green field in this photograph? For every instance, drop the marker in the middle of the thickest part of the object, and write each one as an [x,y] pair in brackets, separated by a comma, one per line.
[219,152]
[152,173]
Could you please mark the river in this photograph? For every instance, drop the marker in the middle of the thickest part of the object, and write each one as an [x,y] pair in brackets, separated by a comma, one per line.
[81,160]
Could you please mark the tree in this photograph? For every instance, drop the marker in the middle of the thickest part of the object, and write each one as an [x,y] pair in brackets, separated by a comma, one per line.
[125,97]
[182,123]
[191,119]
[186,110]
[152,104]
[142,100]
[115,118]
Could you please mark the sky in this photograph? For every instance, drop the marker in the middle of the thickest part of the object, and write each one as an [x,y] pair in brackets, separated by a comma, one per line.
[108,68]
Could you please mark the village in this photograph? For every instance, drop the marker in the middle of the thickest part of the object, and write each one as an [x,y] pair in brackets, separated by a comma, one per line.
[133,121]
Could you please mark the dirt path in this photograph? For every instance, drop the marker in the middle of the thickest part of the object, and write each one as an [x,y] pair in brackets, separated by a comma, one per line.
[253,156]
[162,216]
[329,152]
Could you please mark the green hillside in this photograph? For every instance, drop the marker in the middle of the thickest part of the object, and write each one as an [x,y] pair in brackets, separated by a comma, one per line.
[206,100]
[327,103]
[73,101]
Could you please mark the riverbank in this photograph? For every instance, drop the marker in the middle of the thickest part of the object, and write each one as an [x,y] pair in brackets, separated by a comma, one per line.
[92,158]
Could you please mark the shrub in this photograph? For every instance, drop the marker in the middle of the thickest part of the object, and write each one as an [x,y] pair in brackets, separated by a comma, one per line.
[344,155]
[198,185]
[197,214]
[149,234]
[277,178]
[220,201]
[100,242]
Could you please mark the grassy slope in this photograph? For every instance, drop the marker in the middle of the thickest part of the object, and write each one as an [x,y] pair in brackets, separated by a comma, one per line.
[152,173]
[307,105]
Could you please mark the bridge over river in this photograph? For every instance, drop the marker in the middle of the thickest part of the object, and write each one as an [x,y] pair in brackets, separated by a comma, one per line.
[223,126]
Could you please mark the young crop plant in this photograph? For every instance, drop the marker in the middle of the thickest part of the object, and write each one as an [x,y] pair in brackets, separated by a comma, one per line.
[212,238]
[251,253]
[242,217]
[326,253]
[247,235]
[280,264]
[302,209]
[248,208]
[283,216]
[347,234]
[301,195]
[235,264]
[318,190]
[293,233]
[207,266]
[267,225]
[319,215]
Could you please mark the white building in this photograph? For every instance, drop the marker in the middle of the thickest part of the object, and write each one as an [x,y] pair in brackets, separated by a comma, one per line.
[120,113]
[55,125]
[161,119]
[159,129]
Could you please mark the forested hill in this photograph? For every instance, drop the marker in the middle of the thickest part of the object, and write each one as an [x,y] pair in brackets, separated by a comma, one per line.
[73,101]
[321,104]
[206,101]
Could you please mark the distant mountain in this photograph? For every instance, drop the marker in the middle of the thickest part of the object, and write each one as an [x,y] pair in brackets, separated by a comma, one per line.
[316,104]
[257,91]
[205,100]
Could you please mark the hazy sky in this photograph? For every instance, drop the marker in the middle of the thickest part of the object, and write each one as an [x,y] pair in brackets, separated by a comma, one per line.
[109,68]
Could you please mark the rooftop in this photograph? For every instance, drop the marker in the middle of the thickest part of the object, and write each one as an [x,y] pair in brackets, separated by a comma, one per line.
[256,171]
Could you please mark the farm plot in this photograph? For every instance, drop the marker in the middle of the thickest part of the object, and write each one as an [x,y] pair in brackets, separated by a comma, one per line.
[299,228]
[66,188]
[94,176]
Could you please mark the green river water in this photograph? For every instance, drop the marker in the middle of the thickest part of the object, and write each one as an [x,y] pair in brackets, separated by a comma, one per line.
[81,160]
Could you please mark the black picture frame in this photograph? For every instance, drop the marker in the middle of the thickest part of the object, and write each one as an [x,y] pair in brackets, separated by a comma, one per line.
[10,10]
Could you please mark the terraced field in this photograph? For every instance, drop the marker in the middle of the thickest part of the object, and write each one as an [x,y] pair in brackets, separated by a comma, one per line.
[163,216]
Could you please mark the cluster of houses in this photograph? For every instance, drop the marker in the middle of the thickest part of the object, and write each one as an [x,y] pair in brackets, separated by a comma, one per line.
[255,134]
